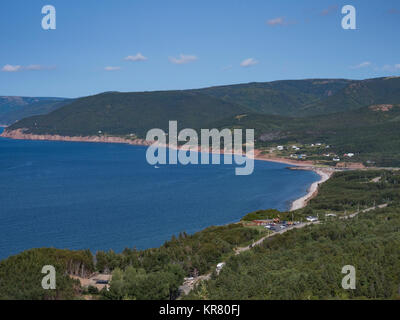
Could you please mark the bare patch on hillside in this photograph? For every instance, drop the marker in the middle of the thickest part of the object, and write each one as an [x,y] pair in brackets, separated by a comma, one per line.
[381,107]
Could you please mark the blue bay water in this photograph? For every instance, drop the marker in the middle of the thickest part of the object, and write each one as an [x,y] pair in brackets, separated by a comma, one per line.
[106,196]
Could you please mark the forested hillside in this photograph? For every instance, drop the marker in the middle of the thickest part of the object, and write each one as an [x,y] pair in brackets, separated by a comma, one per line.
[307,263]
[21,275]
[17,108]
[116,113]
[125,113]
[372,132]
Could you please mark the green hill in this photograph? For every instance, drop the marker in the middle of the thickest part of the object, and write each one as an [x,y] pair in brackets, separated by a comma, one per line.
[372,132]
[17,108]
[358,94]
[287,97]
[309,97]
[118,113]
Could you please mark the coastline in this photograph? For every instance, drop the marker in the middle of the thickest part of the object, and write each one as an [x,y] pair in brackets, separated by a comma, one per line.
[20,135]
[324,173]
[312,191]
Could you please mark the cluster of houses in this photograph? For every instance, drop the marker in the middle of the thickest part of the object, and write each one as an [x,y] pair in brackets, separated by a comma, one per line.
[303,156]
[346,155]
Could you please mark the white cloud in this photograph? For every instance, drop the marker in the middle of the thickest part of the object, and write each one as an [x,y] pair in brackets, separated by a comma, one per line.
[11,68]
[32,67]
[276,21]
[248,62]
[183,59]
[389,67]
[361,65]
[110,68]
[136,57]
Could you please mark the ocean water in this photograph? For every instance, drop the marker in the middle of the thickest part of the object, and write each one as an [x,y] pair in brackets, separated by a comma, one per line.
[106,196]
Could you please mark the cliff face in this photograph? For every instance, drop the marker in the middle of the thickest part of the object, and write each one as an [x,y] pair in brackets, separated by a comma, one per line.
[20,134]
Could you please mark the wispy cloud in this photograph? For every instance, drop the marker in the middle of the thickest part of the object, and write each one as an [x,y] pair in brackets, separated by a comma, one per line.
[248,62]
[110,68]
[11,68]
[361,65]
[389,67]
[183,59]
[32,67]
[277,21]
[329,10]
[136,57]
[394,11]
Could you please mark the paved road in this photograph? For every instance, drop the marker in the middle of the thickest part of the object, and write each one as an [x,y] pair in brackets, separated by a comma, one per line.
[188,285]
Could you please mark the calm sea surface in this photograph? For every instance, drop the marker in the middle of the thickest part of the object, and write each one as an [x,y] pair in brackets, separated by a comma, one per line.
[106,196]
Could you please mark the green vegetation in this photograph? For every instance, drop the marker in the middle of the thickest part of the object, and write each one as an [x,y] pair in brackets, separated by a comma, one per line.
[17,108]
[157,273]
[21,277]
[347,192]
[286,98]
[306,263]
[371,133]
[354,190]
[116,113]
[262,214]
[303,98]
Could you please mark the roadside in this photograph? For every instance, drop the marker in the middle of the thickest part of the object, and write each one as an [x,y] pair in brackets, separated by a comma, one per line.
[190,283]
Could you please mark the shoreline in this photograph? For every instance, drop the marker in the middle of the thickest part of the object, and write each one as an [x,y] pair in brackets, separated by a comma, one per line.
[20,135]
[324,173]
[312,191]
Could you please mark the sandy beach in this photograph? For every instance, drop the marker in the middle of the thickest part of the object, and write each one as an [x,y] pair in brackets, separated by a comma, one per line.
[325,174]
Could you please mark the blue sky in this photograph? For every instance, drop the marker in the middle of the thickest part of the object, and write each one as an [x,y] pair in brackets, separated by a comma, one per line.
[130,45]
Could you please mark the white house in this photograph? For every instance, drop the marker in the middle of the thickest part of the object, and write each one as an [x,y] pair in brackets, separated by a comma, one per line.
[280,148]
[220,266]
[311,219]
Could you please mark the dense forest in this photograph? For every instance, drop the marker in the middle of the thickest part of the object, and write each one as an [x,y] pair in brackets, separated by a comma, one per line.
[21,275]
[307,263]
[300,264]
